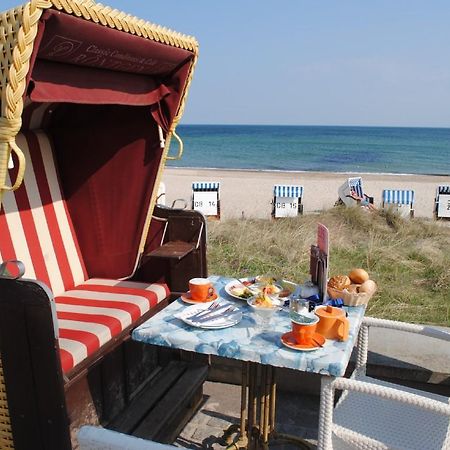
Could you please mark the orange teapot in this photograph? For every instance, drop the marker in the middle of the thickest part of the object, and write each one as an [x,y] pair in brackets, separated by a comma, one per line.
[333,324]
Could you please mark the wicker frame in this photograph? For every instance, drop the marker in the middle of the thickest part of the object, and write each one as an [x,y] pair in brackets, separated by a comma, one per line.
[18,29]
[330,384]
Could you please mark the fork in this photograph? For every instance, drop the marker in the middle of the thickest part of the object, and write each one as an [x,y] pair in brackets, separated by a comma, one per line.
[206,311]
[214,314]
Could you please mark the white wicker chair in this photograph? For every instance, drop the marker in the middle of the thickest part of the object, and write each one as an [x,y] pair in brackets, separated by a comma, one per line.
[373,414]
[96,438]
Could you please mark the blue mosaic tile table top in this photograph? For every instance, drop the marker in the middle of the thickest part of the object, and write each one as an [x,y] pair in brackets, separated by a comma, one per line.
[245,341]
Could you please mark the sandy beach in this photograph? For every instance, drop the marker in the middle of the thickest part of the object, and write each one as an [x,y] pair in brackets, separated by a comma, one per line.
[249,193]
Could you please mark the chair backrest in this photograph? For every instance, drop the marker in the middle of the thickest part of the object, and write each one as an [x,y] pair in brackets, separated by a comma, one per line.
[398,197]
[96,438]
[351,187]
[355,185]
[206,197]
[286,200]
[35,226]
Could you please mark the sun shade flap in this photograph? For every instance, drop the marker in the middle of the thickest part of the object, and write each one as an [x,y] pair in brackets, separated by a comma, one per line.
[56,82]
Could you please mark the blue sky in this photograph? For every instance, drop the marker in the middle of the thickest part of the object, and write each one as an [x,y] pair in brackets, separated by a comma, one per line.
[341,62]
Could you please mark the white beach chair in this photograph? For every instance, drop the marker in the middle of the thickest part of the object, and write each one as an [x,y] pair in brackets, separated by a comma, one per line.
[400,200]
[376,414]
[96,438]
[206,198]
[351,193]
[287,200]
[442,202]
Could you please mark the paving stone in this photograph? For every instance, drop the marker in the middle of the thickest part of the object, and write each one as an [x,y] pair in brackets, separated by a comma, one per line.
[296,414]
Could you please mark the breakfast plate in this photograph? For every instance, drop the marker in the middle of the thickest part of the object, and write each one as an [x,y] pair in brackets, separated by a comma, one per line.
[251,286]
[224,315]
[186,298]
[287,339]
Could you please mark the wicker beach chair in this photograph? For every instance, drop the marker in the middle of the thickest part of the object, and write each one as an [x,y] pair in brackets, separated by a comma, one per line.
[206,198]
[374,414]
[399,200]
[442,202]
[90,100]
[351,193]
[287,201]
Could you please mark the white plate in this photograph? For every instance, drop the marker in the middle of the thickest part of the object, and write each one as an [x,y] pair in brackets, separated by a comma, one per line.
[215,320]
[231,284]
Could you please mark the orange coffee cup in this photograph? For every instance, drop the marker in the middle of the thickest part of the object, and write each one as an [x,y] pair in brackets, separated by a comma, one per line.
[201,289]
[332,323]
[303,333]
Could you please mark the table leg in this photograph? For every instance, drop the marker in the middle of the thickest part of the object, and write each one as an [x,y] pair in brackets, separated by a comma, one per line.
[258,407]
[252,404]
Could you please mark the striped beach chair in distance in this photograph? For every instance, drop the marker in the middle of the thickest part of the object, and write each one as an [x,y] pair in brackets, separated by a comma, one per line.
[206,198]
[442,202]
[351,193]
[401,200]
[287,201]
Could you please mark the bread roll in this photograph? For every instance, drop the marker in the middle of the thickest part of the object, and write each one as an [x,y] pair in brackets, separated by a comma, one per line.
[353,288]
[339,282]
[368,286]
[358,276]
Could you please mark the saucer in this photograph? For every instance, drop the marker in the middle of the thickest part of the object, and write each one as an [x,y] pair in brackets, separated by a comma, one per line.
[188,299]
[287,339]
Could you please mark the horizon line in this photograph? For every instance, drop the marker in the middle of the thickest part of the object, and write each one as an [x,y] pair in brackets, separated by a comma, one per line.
[435,127]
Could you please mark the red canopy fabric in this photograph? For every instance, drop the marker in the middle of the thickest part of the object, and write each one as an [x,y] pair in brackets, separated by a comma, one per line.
[82,62]
[107,85]
[65,83]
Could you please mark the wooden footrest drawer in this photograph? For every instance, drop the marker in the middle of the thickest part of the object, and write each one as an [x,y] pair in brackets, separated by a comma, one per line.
[165,405]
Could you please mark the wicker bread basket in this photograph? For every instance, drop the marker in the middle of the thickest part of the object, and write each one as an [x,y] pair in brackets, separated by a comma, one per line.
[350,298]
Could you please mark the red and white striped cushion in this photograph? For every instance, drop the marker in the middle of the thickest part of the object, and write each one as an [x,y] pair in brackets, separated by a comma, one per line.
[35,226]
[98,310]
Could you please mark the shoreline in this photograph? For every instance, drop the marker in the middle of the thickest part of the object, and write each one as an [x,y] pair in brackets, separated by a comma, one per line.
[248,193]
[316,172]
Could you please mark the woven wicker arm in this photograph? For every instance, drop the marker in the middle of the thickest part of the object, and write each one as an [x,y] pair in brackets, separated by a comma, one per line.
[363,337]
[329,385]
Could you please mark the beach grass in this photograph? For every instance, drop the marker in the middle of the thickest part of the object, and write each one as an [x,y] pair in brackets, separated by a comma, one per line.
[408,259]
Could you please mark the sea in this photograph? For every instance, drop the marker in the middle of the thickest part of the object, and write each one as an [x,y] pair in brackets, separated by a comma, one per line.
[316,148]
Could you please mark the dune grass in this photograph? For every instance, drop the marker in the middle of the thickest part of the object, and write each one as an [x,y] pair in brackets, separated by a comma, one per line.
[409,259]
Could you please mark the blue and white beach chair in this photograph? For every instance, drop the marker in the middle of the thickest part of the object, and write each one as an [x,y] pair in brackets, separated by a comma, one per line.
[351,193]
[442,202]
[206,198]
[287,200]
[400,200]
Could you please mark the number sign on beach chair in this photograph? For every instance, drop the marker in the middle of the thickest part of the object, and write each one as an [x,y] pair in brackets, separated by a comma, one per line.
[400,200]
[351,193]
[206,198]
[287,201]
[442,202]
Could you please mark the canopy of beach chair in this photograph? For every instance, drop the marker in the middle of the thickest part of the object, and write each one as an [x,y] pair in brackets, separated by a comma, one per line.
[109,89]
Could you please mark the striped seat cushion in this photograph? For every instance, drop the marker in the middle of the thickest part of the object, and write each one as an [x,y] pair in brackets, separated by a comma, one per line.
[36,228]
[96,311]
